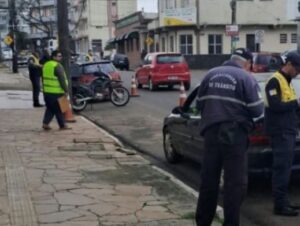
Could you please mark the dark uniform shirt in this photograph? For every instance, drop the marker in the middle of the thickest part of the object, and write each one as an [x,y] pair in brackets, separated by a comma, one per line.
[229,94]
[280,116]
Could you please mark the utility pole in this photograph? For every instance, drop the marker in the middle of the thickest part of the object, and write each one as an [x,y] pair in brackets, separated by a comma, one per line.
[298,27]
[233,22]
[12,26]
[197,27]
[63,37]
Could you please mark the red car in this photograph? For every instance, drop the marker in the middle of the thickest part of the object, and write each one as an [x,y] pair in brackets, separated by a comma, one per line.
[163,69]
[266,62]
[87,71]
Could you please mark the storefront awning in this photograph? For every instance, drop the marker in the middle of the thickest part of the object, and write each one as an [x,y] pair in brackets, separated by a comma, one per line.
[120,38]
[132,34]
[112,40]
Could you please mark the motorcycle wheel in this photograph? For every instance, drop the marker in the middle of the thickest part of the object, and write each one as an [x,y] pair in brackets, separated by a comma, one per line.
[77,104]
[119,96]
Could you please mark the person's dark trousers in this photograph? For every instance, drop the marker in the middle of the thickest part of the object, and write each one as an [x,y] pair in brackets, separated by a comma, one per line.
[233,158]
[283,154]
[35,81]
[53,109]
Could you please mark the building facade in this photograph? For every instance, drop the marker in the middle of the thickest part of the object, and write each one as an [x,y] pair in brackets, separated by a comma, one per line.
[199,26]
[130,35]
[95,25]
[3,26]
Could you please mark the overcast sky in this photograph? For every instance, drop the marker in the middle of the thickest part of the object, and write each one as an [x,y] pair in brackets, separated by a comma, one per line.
[148,5]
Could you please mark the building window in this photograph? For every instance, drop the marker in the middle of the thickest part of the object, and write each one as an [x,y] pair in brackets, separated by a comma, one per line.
[283,38]
[186,44]
[137,44]
[170,4]
[127,46]
[215,44]
[131,45]
[185,3]
[294,38]
[163,44]
[172,44]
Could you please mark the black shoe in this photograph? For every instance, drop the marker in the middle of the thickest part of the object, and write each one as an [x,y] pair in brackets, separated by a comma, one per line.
[285,211]
[38,105]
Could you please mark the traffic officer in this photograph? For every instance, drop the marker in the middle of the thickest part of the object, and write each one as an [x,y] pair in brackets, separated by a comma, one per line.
[89,56]
[55,85]
[281,124]
[35,71]
[228,99]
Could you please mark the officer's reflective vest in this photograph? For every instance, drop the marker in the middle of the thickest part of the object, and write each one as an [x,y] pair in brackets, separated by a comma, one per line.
[50,81]
[287,91]
[89,58]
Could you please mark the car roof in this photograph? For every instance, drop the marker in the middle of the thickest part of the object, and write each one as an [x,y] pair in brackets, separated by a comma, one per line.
[164,53]
[266,53]
[91,63]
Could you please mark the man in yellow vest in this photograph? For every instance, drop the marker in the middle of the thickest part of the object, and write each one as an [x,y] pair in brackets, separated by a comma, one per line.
[35,71]
[55,85]
[281,124]
[89,56]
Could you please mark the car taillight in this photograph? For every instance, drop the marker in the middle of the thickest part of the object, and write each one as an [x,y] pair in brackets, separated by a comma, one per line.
[258,137]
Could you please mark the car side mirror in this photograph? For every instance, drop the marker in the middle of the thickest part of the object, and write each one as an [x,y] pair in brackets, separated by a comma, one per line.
[179,110]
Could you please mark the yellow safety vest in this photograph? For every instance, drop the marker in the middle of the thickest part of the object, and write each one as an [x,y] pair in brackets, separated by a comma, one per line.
[50,81]
[287,91]
[35,60]
[88,58]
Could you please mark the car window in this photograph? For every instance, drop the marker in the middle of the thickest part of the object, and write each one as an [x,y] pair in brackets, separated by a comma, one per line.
[167,59]
[91,68]
[149,60]
[107,68]
[190,105]
[262,59]
[103,67]
[75,70]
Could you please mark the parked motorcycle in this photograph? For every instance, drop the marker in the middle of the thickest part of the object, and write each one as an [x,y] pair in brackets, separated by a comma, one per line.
[102,88]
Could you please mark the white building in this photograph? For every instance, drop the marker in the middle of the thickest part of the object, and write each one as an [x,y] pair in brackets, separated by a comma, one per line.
[95,25]
[192,27]
[3,26]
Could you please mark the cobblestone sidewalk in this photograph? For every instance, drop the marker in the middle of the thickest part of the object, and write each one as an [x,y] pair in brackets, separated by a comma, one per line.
[78,177]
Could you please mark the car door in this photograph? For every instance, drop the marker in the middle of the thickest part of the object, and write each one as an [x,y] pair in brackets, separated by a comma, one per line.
[196,145]
[146,68]
[140,74]
[184,127]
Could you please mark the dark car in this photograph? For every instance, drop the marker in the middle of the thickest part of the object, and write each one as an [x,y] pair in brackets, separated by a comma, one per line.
[182,138]
[266,62]
[121,61]
[87,71]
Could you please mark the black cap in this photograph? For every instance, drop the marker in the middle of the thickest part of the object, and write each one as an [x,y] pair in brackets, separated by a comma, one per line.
[293,57]
[243,53]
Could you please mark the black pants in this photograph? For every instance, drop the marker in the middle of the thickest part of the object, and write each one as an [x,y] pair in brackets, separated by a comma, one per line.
[52,108]
[35,81]
[283,154]
[233,158]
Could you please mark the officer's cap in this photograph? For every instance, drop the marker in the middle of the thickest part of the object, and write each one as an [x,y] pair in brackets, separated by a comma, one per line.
[293,57]
[243,53]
